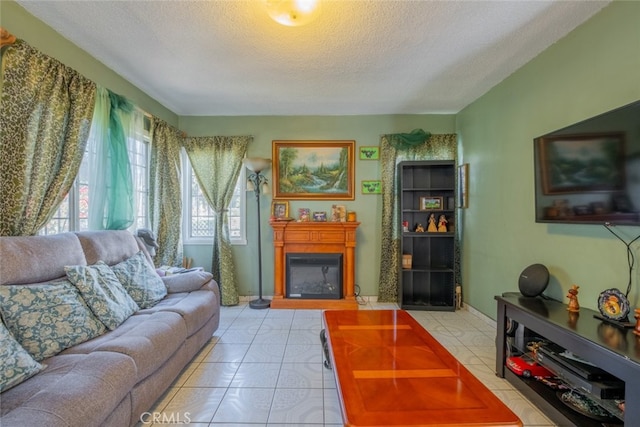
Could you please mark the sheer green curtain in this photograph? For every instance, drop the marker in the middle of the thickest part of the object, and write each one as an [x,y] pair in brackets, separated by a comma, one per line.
[216,162]
[394,148]
[165,198]
[45,117]
[116,123]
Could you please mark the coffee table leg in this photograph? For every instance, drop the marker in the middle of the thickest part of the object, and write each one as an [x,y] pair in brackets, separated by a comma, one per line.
[325,348]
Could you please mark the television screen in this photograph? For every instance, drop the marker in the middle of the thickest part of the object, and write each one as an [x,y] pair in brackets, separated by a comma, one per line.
[589,172]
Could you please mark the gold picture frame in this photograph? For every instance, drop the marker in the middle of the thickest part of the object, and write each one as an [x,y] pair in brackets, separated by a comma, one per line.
[279,209]
[314,170]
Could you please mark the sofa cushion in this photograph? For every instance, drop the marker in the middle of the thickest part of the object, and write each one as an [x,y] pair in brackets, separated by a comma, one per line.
[196,308]
[140,280]
[103,293]
[73,390]
[109,246]
[35,259]
[16,364]
[187,282]
[47,318]
[149,339]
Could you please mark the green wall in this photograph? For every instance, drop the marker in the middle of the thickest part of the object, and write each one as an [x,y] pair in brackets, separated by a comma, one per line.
[25,26]
[365,130]
[592,70]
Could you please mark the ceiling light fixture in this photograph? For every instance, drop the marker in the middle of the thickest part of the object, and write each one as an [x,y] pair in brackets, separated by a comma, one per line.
[293,13]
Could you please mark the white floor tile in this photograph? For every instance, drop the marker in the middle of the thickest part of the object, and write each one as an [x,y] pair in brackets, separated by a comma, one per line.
[264,368]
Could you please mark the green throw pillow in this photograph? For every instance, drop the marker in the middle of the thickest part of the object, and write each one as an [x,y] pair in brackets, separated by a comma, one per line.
[47,318]
[16,364]
[140,280]
[103,293]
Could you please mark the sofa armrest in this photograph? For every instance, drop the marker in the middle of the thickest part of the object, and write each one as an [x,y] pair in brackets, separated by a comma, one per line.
[187,282]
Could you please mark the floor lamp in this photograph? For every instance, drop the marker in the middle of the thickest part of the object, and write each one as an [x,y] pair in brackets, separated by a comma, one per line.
[258,183]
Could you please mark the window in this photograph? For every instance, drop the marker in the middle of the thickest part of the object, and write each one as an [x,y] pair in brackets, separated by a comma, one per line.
[73,212]
[199,219]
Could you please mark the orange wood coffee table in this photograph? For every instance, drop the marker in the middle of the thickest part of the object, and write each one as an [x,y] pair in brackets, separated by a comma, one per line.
[391,372]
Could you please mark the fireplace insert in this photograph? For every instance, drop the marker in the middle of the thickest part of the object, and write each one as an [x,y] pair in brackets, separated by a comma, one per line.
[314,276]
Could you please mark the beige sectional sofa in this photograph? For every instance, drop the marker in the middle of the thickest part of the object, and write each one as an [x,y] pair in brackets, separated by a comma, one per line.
[116,377]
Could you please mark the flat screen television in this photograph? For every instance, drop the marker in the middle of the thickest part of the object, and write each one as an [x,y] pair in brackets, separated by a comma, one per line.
[589,172]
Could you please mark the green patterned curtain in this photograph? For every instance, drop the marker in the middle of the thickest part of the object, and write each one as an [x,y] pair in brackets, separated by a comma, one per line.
[435,147]
[45,117]
[216,162]
[165,199]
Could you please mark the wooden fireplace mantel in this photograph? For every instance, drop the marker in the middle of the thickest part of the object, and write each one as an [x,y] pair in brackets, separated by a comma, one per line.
[314,237]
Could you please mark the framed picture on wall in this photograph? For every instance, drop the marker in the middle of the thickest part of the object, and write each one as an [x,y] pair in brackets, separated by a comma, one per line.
[313,170]
[463,185]
[372,187]
[369,152]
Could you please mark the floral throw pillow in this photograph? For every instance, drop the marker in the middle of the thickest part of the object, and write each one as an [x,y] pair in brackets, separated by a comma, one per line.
[16,364]
[103,293]
[47,318]
[140,280]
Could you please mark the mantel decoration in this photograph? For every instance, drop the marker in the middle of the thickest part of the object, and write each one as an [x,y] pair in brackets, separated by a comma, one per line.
[612,303]
[258,183]
[313,170]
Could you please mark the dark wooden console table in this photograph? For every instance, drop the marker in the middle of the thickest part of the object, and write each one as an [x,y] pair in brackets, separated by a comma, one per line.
[613,349]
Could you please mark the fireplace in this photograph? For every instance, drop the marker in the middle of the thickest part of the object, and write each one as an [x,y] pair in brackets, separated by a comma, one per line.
[314,276]
[323,241]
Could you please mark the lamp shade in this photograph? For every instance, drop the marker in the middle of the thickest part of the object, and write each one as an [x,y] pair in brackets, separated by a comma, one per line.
[256,164]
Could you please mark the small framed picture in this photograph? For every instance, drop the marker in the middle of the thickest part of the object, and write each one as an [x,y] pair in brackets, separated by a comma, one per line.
[463,186]
[304,215]
[372,187]
[433,203]
[280,209]
[320,216]
[369,152]
[338,213]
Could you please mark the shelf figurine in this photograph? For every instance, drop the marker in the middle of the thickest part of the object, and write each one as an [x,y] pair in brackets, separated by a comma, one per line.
[442,224]
[419,228]
[573,307]
[432,224]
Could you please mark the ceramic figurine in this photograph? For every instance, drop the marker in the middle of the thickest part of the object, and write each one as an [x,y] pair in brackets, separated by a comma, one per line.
[442,224]
[636,330]
[432,224]
[573,299]
[419,228]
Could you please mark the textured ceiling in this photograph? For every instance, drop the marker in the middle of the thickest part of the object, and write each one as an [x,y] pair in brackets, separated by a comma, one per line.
[358,57]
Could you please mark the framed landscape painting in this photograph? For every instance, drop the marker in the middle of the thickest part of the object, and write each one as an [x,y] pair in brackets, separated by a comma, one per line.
[313,170]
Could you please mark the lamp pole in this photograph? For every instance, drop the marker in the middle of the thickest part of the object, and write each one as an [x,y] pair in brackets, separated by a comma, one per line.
[255,182]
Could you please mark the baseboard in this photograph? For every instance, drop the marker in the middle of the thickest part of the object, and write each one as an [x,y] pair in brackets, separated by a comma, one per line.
[480,315]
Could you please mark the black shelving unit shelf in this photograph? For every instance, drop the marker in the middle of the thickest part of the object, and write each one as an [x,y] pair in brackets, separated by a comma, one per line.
[612,349]
[430,282]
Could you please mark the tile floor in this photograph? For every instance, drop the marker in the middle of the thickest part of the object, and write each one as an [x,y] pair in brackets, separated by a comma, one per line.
[264,368]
